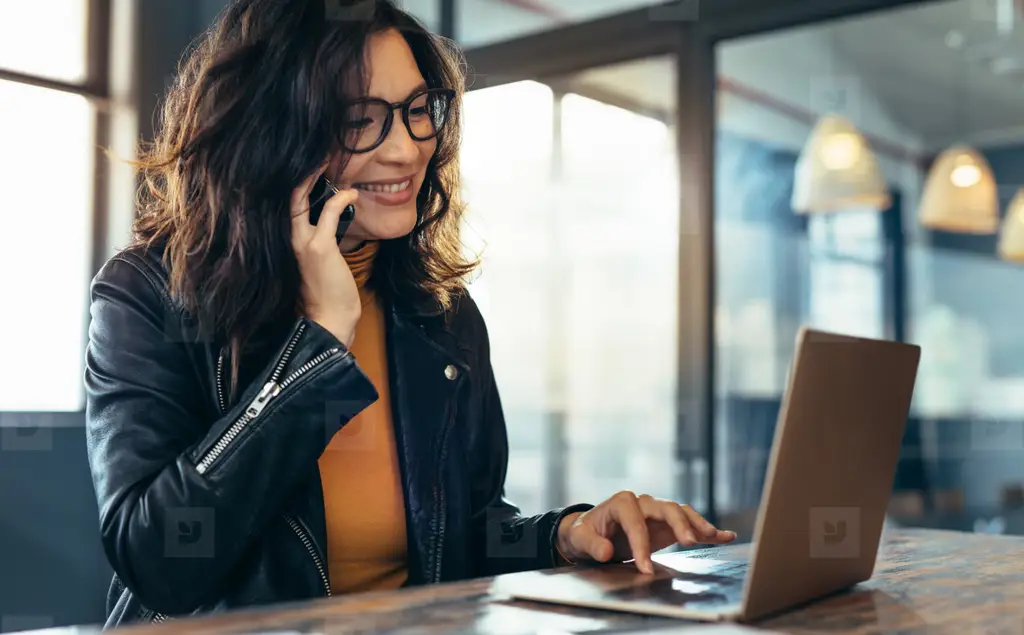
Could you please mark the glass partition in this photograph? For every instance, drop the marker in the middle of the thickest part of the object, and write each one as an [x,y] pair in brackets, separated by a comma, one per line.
[572,192]
[913,82]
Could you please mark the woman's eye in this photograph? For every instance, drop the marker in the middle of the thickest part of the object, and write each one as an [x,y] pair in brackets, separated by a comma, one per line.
[360,123]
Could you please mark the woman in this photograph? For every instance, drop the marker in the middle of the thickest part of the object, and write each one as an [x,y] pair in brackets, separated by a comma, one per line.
[274,415]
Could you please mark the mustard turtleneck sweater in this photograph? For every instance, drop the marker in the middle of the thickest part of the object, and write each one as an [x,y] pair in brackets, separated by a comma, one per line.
[363,499]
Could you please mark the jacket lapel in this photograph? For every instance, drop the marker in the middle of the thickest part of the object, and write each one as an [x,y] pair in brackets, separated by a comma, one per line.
[425,370]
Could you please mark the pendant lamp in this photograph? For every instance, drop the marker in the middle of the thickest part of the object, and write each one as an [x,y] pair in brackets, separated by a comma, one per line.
[836,170]
[1011,238]
[960,194]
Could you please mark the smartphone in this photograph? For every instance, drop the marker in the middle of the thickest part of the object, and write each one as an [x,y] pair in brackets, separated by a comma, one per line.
[322,191]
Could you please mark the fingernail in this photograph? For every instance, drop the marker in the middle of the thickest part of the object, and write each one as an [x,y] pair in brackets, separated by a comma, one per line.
[648,566]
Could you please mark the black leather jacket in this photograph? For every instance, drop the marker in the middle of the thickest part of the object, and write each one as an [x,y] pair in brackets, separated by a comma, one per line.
[208,504]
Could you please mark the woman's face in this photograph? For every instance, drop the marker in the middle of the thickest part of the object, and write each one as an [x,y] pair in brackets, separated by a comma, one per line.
[390,176]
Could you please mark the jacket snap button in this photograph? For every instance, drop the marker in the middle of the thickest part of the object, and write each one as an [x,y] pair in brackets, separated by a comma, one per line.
[451,372]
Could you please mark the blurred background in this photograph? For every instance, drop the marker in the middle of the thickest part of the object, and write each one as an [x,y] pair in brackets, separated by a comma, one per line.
[662,193]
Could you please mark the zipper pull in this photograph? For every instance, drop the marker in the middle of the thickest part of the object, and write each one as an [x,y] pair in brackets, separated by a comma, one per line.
[269,391]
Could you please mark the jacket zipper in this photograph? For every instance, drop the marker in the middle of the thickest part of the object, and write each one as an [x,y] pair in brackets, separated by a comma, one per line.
[148,615]
[270,390]
[307,542]
[278,367]
[442,506]
[220,382]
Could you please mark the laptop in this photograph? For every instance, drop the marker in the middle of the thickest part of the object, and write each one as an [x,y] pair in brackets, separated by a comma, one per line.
[830,475]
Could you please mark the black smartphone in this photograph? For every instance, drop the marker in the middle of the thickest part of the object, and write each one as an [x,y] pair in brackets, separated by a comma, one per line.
[322,191]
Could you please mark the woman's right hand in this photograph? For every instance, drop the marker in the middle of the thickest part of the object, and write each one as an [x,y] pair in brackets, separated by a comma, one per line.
[329,291]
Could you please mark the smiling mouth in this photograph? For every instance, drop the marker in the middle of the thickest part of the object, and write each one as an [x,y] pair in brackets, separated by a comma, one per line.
[389,188]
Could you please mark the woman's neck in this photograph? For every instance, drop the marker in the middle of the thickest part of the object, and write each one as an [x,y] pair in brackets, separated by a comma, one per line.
[349,245]
[360,262]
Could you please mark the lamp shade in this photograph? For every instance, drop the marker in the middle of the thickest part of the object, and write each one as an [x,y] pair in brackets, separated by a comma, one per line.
[837,171]
[1011,238]
[960,194]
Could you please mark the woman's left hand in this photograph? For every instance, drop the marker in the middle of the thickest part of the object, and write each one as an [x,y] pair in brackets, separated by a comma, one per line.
[629,526]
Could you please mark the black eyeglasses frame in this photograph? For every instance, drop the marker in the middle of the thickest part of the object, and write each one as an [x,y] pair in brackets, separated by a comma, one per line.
[403,106]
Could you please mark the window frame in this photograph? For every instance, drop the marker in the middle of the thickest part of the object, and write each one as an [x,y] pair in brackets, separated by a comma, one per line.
[634,35]
[95,88]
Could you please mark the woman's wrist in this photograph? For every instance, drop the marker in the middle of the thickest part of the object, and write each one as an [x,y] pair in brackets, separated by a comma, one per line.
[563,545]
[341,329]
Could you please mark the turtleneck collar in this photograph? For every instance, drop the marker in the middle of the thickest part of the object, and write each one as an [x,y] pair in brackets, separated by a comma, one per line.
[360,262]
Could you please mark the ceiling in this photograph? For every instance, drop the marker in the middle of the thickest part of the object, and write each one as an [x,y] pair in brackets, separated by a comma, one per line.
[935,91]
[912,87]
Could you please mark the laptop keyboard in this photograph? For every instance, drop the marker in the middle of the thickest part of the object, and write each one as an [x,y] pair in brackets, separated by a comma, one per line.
[733,569]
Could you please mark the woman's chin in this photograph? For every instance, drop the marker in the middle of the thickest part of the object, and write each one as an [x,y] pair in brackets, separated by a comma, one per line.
[390,225]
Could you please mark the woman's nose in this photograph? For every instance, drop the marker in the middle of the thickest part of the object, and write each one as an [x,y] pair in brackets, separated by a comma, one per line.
[399,144]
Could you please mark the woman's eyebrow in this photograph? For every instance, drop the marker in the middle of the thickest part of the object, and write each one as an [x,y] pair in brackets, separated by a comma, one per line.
[419,87]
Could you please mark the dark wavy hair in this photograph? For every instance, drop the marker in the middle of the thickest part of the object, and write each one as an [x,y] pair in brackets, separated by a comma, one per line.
[255,109]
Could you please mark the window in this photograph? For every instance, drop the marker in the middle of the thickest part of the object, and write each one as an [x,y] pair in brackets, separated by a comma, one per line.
[46,39]
[777,270]
[47,159]
[578,286]
[847,273]
[506,169]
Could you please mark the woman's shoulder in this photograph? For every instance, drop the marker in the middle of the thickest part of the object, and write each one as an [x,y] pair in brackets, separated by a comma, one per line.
[137,269]
[456,324]
[464,318]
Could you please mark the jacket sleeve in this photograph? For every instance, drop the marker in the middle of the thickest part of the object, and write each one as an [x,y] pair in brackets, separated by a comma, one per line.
[504,540]
[181,493]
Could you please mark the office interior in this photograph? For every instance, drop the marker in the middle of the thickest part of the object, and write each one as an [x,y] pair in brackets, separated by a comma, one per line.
[645,185]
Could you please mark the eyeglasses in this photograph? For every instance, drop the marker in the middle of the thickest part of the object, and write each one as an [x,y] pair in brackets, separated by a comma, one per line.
[368,121]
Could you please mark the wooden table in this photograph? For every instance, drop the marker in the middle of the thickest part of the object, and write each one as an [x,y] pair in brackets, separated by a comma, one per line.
[926,581]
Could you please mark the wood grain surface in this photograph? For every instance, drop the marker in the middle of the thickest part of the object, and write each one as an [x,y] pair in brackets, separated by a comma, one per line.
[925,581]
